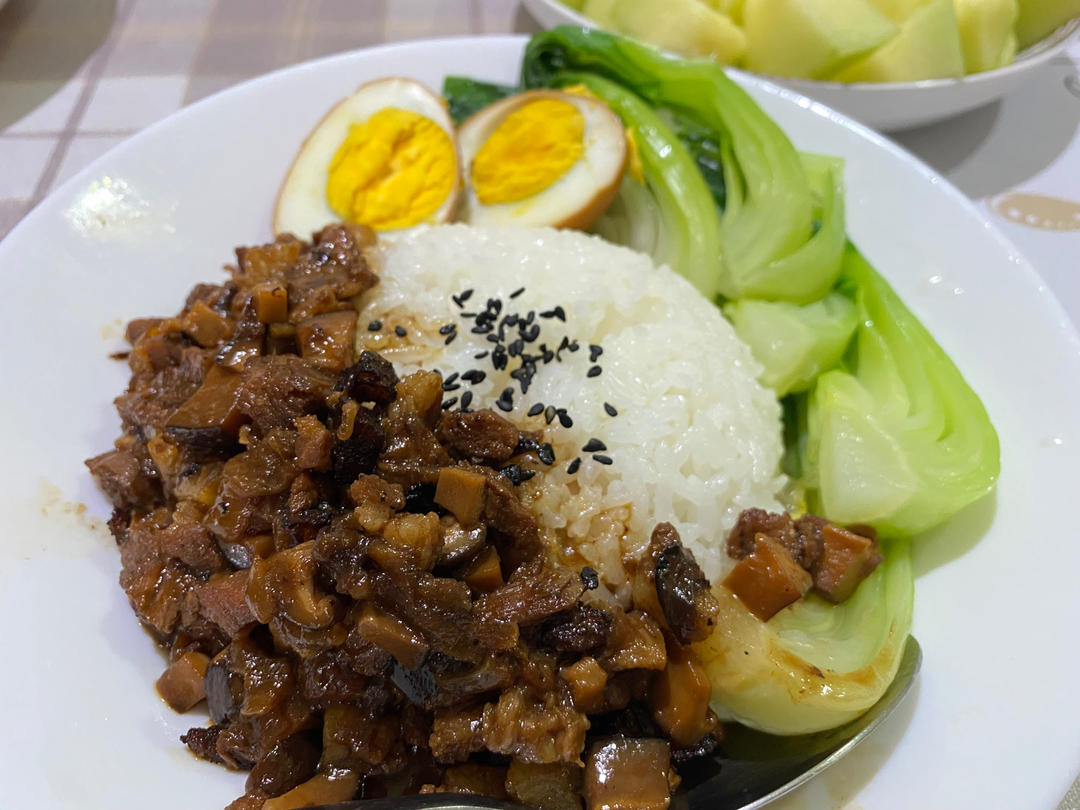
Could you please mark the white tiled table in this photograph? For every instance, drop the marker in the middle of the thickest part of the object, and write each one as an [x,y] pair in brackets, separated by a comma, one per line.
[78,77]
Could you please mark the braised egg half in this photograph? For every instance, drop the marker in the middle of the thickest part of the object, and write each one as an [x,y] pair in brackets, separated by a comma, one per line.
[541,158]
[385,157]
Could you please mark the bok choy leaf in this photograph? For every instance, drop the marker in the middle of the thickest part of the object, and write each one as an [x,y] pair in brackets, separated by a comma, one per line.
[687,236]
[895,438]
[768,210]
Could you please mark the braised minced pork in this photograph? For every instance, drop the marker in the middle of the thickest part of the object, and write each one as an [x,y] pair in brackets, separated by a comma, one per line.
[346,572]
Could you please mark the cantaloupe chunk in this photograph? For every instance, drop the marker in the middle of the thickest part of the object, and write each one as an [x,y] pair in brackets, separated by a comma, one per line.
[687,27]
[1039,18]
[811,38]
[927,47]
[986,32]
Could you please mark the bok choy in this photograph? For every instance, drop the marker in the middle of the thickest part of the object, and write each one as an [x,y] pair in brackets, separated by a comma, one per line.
[769,202]
[895,437]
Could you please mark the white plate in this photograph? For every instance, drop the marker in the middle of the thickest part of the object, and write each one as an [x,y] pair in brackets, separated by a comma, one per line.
[894,105]
[994,721]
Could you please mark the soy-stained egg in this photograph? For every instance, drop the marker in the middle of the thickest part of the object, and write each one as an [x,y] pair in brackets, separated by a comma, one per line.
[385,157]
[541,158]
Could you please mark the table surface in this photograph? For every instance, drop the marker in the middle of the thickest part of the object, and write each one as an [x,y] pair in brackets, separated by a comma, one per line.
[77,77]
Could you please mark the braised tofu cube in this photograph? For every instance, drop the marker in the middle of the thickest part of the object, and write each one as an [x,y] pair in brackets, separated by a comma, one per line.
[585,679]
[768,580]
[462,492]
[627,773]
[846,560]
[182,684]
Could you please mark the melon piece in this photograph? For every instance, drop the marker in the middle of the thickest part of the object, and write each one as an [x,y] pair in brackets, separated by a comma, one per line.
[811,38]
[986,32]
[898,10]
[687,27]
[1040,18]
[927,47]
[603,11]
[732,8]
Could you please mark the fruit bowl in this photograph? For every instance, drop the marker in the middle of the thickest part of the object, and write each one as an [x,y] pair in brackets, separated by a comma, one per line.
[889,106]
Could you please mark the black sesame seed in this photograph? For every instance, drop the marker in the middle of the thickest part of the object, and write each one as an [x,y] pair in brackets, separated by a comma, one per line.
[374,326]
[593,372]
[536,409]
[467,315]
[595,352]
[449,386]
[609,409]
[601,459]
[526,445]
[503,405]
[593,445]
[466,400]
[450,403]
[517,474]
[507,394]
[473,376]
[590,578]
[517,292]
[573,346]
[565,420]
[546,453]
[400,331]
[550,413]
[480,355]
[446,328]
[573,466]
[480,330]
[516,348]
[450,338]
[451,378]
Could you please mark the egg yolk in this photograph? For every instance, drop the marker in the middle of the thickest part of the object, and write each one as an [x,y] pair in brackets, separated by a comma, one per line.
[532,148]
[392,171]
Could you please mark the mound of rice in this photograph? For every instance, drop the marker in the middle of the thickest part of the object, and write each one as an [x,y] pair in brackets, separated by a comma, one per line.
[696,439]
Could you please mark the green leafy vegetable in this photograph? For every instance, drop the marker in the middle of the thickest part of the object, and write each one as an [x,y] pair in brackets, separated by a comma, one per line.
[808,272]
[687,236]
[769,203]
[795,343]
[708,153]
[895,438]
[465,96]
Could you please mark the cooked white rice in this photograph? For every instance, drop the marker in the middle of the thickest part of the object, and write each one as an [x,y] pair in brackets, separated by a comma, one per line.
[696,439]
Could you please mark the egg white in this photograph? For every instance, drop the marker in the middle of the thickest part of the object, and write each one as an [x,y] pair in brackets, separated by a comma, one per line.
[302,207]
[576,198]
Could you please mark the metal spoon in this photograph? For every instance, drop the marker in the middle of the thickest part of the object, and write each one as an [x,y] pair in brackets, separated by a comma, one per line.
[751,770]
